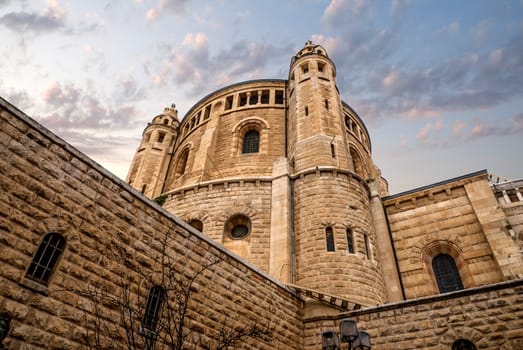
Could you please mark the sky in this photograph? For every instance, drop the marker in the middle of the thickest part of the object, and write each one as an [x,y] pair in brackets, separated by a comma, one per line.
[439,84]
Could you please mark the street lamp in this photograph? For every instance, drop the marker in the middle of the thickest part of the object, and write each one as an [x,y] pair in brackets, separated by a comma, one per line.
[358,340]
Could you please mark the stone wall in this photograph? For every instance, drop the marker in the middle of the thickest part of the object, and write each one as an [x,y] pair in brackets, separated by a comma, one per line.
[443,219]
[491,317]
[113,234]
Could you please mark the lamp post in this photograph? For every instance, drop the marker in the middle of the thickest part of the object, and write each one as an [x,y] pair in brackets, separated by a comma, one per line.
[357,340]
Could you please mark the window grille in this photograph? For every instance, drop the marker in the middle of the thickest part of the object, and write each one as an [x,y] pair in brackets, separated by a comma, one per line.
[153,308]
[251,142]
[45,259]
[446,273]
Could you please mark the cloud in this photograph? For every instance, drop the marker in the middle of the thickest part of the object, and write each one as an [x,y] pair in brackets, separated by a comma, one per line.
[458,127]
[51,19]
[424,133]
[193,66]
[72,108]
[174,7]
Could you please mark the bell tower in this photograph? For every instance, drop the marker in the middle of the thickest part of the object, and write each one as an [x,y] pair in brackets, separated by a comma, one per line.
[151,160]
[334,238]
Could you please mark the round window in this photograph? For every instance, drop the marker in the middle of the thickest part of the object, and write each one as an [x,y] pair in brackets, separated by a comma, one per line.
[239,231]
[238,226]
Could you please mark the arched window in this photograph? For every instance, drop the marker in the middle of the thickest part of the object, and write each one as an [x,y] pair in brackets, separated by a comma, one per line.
[153,308]
[251,142]
[463,344]
[350,240]
[329,237]
[446,273]
[197,224]
[356,162]
[182,162]
[44,261]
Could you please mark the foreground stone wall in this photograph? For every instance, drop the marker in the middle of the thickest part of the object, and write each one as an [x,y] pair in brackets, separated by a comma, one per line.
[113,234]
[490,317]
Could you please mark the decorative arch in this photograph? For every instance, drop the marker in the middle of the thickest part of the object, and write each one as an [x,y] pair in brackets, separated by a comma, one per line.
[454,334]
[180,166]
[359,165]
[244,131]
[444,248]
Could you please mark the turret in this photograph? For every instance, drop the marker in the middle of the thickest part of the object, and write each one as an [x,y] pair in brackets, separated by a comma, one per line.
[151,161]
[335,241]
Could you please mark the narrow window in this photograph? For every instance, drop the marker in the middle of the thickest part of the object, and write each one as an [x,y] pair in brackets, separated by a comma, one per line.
[305,68]
[366,241]
[326,104]
[265,97]
[207,113]
[182,162]
[253,99]
[228,102]
[350,241]
[446,273]
[243,100]
[44,261]
[251,142]
[161,136]
[143,188]
[333,150]
[166,122]
[306,111]
[279,97]
[329,237]
[321,66]
[153,308]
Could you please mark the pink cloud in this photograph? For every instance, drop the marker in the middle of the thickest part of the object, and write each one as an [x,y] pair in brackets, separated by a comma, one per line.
[424,133]
[458,126]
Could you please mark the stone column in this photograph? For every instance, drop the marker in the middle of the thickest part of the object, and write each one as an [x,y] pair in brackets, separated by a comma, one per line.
[280,230]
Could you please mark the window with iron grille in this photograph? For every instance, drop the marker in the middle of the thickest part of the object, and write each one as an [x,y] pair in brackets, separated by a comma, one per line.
[251,142]
[44,261]
[153,309]
[446,273]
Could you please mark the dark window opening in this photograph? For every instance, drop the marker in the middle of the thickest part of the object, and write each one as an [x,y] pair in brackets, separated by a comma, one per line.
[279,97]
[182,162]
[265,96]
[228,102]
[333,150]
[305,68]
[207,113]
[321,66]
[350,241]
[238,226]
[329,237]
[243,100]
[166,121]
[143,188]
[446,273]
[253,99]
[161,136]
[197,224]
[463,344]
[153,308]
[347,122]
[306,111]
[44,261]
[366,241]
[326,104]
[251,142]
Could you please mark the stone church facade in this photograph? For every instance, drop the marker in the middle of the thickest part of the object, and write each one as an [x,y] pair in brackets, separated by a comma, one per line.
[274,179]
